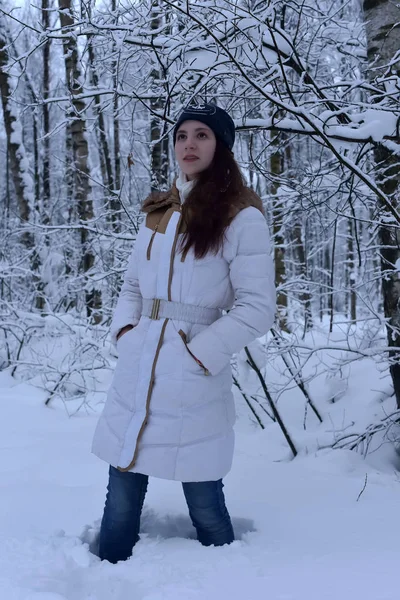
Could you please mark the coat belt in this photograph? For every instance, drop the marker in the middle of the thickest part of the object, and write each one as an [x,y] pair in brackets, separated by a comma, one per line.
[158,308]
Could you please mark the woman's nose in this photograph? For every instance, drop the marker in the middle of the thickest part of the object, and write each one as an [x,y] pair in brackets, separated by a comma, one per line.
[190,143]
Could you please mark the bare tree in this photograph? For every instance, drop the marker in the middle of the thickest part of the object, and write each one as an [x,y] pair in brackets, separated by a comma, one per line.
[80,151]
[159,105]
[383,37]
[276,169]
[46,7]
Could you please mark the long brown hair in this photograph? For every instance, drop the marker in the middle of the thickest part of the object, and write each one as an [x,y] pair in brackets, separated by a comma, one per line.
[208,208]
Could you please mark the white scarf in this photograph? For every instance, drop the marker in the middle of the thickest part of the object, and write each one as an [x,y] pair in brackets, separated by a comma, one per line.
[184,186]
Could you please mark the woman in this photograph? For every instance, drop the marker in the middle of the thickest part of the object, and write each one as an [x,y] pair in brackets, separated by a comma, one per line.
[170,410]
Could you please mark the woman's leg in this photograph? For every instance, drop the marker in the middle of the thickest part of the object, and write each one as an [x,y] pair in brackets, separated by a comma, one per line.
[206,503]
[120,524]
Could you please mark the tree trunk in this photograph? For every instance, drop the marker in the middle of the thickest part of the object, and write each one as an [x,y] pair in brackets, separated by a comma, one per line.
[332,278]
[80,151]
[102,139]
[46,116]
[383,42]
[276,167]
[299,235]
[116,141]
[16,152]
[104,152]
[351,270]
[159,147]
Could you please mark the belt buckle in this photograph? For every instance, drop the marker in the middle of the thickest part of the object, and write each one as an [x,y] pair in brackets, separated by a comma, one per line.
[155,309]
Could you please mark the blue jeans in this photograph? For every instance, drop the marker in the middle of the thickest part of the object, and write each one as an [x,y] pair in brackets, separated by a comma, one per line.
[120,524]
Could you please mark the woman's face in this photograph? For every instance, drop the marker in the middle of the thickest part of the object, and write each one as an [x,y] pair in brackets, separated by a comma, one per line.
[194,147]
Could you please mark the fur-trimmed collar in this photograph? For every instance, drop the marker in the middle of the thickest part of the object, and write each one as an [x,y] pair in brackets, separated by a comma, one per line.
[158,200]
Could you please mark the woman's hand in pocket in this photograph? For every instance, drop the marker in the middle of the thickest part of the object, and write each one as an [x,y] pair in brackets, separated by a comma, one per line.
[124,330]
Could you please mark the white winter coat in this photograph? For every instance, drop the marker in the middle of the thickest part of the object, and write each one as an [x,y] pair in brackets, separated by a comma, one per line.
[164,416]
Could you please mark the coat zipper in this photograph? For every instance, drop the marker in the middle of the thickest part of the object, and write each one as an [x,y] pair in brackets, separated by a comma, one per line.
[153,368]
[149,392]
[151,241]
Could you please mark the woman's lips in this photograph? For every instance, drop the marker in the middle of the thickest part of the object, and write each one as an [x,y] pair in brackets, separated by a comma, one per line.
[191,159]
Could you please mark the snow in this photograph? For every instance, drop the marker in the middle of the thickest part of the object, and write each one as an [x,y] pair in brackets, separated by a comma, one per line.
[320,527]
[367,125]
[371,124]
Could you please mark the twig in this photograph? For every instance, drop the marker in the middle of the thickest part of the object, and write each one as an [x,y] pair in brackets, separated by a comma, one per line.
[365,485]
[236,382]
[297,378]
[271,402]
[59,382]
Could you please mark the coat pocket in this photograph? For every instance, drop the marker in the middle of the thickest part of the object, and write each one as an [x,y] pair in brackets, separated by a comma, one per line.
[121,337]
[184,339]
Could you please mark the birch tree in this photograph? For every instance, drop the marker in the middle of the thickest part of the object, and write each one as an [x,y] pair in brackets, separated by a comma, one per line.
[19,167]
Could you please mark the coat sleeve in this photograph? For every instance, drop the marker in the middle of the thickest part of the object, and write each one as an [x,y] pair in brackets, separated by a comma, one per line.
[252,277]
[129,304]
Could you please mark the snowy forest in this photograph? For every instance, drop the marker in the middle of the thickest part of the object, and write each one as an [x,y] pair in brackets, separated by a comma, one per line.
[89,95]
[90,92]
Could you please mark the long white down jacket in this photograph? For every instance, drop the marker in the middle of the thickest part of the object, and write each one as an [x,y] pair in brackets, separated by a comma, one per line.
[165,416]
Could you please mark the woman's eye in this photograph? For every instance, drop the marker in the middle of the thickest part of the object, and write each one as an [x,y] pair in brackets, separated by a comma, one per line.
[182,136]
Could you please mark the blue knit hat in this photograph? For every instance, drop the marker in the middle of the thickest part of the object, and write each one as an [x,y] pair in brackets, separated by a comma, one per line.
[212,115]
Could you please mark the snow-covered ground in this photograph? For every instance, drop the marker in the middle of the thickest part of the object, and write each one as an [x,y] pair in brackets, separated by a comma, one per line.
[304,531]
